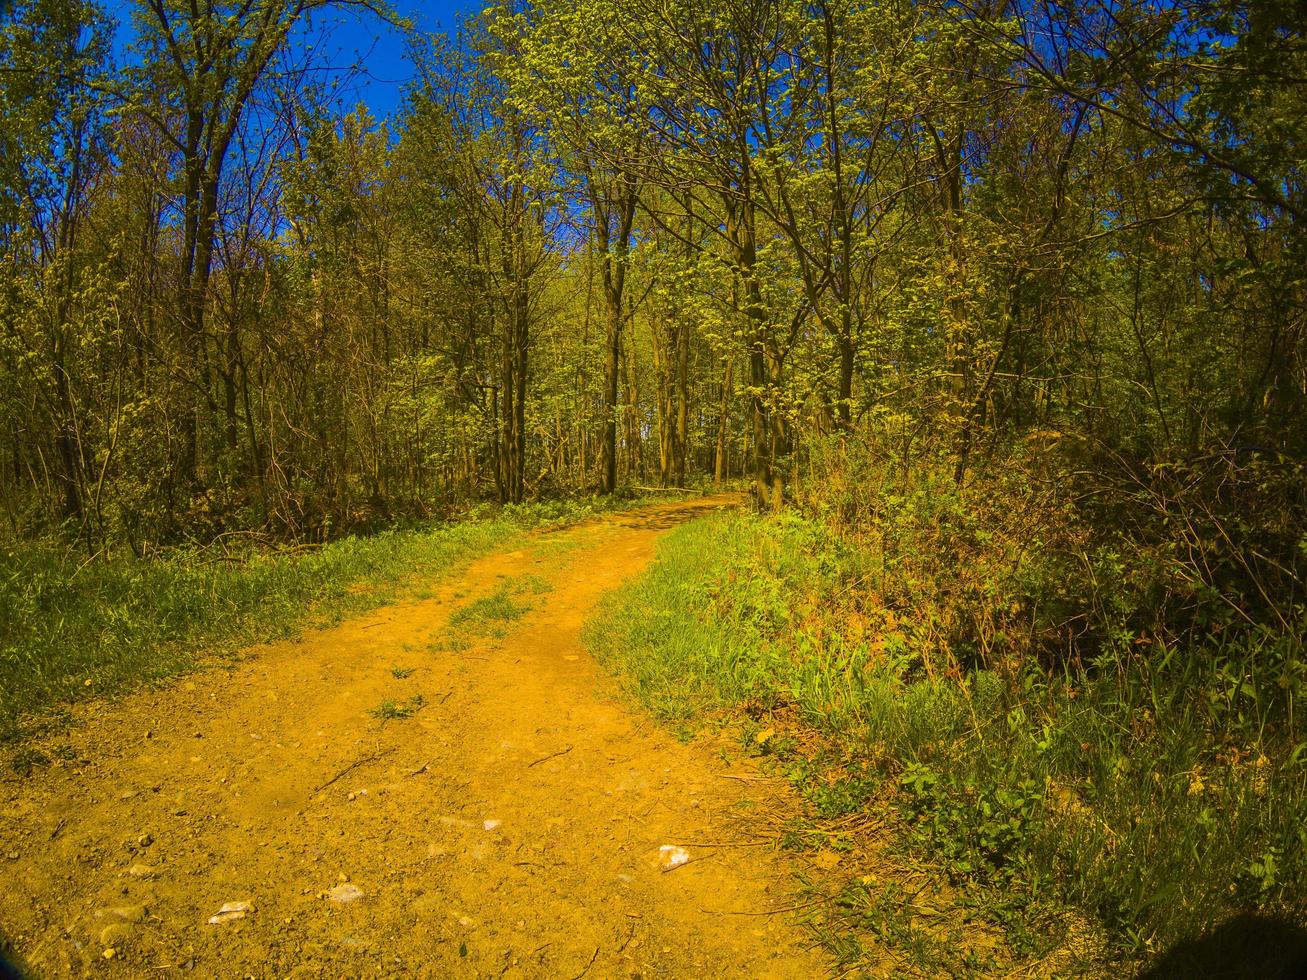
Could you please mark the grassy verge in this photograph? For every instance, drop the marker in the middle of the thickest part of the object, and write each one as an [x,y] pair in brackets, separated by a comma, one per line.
[1144,796]
[71,629]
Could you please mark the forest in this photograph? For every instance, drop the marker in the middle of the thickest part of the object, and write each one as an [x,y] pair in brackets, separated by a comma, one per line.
[996,310]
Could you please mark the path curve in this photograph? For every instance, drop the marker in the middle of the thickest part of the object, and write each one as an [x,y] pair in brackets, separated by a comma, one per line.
[509,828]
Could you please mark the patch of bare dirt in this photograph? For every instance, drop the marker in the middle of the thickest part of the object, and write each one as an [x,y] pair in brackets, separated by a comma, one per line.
[509,825]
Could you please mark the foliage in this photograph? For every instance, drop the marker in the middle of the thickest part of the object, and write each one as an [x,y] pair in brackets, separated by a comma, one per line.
[1158,789]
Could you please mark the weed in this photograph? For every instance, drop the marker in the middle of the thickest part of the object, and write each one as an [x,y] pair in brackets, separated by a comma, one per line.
[392,709]
[399,673]
[26,759]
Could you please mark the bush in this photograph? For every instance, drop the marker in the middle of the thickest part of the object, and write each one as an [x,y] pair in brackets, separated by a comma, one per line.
[973,660]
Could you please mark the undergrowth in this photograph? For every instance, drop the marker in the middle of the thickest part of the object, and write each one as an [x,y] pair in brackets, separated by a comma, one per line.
[72,628]
[1155,790]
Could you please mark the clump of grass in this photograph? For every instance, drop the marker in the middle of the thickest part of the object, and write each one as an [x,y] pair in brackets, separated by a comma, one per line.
[1153,793]
[400,673]
[392,709]
[26,759]
[501,605]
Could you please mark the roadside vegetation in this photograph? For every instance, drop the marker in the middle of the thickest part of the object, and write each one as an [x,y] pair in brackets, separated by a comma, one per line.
[1089,737]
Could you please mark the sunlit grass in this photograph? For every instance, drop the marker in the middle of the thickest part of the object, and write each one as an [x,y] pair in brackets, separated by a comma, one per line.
[1126,795]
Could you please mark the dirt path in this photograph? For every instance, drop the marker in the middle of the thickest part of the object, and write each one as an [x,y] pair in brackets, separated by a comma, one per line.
[509,827]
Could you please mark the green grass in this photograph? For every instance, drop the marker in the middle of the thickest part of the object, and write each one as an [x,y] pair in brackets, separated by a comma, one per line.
[500,606]
[390,709]
[1150,799]
[72,629]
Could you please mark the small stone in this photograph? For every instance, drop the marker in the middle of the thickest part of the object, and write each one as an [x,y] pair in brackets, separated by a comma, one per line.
[142,871]
[229,911]
[145,840]
[128,913]
[111,952]
[342,894]
[12,855]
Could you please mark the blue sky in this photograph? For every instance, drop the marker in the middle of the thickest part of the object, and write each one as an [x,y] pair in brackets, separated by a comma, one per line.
[362,38]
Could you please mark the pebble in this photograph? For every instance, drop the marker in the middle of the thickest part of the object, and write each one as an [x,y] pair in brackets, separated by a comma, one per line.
[229,911]
[345,893]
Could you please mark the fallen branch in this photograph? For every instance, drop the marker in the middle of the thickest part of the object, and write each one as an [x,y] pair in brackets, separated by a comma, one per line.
[551,755]
[668,490]
[352,766]
[420,769]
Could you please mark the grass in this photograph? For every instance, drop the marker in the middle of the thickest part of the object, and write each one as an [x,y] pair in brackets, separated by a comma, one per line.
[392,709]
[72,629]
[1148,800]
[500,606]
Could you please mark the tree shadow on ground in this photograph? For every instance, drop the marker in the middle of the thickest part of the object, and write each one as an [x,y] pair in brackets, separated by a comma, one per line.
[662,519]
[1248,947]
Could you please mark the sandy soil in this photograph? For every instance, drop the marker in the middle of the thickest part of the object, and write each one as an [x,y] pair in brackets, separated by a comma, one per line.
[509,828]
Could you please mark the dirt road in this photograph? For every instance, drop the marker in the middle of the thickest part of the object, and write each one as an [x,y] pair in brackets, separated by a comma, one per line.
[447,787]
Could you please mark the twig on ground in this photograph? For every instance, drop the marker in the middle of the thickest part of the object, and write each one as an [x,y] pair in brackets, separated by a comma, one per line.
[593,956]
[788,908]
[354,765]
[629,936]
[696,860]
[420,769]
[551,755]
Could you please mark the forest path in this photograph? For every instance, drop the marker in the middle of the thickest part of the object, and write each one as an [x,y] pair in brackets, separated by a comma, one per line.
[510,826]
